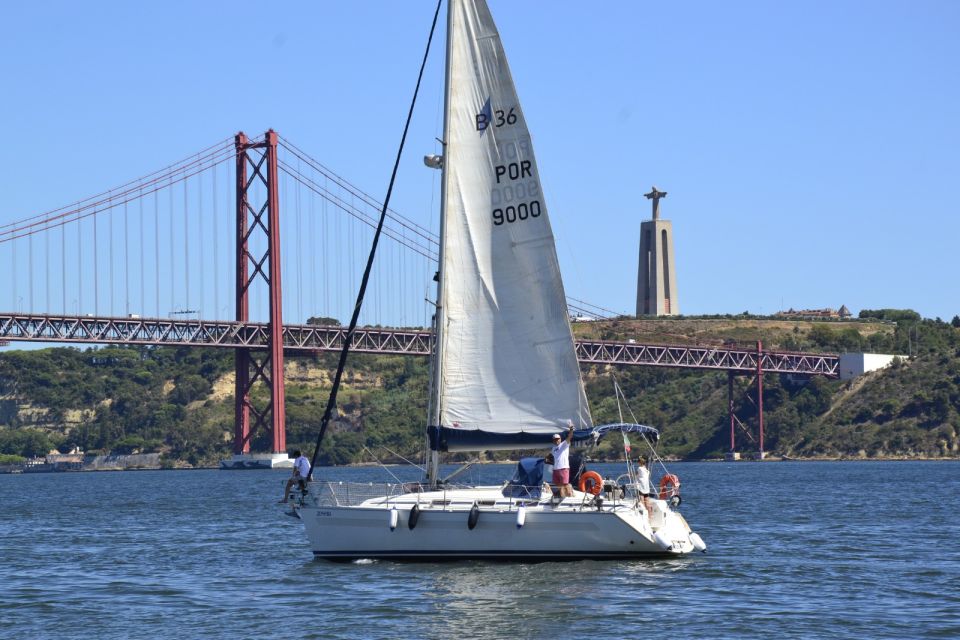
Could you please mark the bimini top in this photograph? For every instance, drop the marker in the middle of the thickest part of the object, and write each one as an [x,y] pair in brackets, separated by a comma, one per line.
[453,439]
[649,433]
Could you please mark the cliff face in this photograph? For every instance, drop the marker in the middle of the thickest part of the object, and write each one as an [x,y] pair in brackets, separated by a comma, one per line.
[179,402]
[908,410]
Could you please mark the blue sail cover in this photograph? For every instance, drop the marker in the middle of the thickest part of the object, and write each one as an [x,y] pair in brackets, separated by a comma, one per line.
[527,481]
[452,439]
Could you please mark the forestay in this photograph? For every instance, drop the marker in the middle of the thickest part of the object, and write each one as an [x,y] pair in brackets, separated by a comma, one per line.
[508,369]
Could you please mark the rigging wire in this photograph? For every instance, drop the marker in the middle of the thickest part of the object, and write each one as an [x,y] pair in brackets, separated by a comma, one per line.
[332,400]
[394,454]
[620,395]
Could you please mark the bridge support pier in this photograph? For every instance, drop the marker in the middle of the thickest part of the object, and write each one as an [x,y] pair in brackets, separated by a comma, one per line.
[260,158]
[760,453]
[733,454]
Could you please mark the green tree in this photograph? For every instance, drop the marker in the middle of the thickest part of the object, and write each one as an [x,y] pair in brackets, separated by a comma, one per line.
[28,443]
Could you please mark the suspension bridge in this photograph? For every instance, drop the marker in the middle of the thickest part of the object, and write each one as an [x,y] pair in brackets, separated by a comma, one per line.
[165,258]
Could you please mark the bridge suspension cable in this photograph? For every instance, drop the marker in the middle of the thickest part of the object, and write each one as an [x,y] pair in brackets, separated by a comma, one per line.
[95,275]
[369,200]
[424,243]
[588,309]
[127,192]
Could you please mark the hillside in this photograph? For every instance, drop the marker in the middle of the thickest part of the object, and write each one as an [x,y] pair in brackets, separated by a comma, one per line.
[787,335]
[179,402]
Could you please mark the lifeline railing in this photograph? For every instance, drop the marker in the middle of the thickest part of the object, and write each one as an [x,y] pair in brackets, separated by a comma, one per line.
[351,494]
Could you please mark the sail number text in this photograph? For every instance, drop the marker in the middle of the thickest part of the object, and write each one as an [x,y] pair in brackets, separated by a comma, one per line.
[510,200]
[513,171]
[513,213]
[497,118]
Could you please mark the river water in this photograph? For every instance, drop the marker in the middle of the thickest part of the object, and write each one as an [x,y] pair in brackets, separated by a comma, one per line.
[796,550]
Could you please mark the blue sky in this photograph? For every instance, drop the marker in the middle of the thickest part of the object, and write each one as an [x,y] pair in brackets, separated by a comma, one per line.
[811,150]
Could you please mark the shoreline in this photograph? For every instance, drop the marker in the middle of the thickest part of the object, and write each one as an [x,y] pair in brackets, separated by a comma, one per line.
[22,470]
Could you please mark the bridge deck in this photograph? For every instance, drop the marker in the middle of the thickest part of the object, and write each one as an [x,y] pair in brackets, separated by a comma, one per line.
[414,342]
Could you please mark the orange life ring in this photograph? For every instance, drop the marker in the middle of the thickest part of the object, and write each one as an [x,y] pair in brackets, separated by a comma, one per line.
[591,482]
[669,486]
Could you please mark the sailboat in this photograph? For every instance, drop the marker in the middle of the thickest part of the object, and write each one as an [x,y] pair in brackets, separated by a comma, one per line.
[504,373]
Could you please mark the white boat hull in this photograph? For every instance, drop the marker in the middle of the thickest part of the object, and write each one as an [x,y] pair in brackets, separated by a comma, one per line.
[549,532]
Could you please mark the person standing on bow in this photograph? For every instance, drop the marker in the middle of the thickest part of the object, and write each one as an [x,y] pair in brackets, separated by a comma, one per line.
[643,481]
[561,462]
[301,469]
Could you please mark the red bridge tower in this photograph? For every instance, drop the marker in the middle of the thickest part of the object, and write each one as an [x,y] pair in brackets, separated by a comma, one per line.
[256,166]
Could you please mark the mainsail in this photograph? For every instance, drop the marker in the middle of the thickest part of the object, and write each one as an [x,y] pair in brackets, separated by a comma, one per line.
[508,373]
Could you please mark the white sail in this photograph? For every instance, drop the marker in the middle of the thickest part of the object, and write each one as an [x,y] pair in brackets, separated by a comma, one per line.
[507,358]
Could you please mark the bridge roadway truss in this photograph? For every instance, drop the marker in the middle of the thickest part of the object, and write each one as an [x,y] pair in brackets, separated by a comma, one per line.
[415,342]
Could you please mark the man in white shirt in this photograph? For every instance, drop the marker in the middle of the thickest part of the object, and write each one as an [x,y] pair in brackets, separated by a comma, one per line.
[561,462]
[301,469]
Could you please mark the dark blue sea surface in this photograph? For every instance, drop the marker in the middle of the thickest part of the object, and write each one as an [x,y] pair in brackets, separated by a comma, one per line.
[796,550]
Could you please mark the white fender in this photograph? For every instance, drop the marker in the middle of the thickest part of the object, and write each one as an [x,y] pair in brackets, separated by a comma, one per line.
[521,516]
[698,542]
[662,540]
[394,518]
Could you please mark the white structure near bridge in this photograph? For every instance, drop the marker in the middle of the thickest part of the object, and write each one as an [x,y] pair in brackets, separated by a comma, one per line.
[857,364]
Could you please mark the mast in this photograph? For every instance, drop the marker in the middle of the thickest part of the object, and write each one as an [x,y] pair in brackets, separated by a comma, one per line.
[433,419]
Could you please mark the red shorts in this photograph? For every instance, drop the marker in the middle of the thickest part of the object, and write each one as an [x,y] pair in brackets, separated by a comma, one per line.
[561,476]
